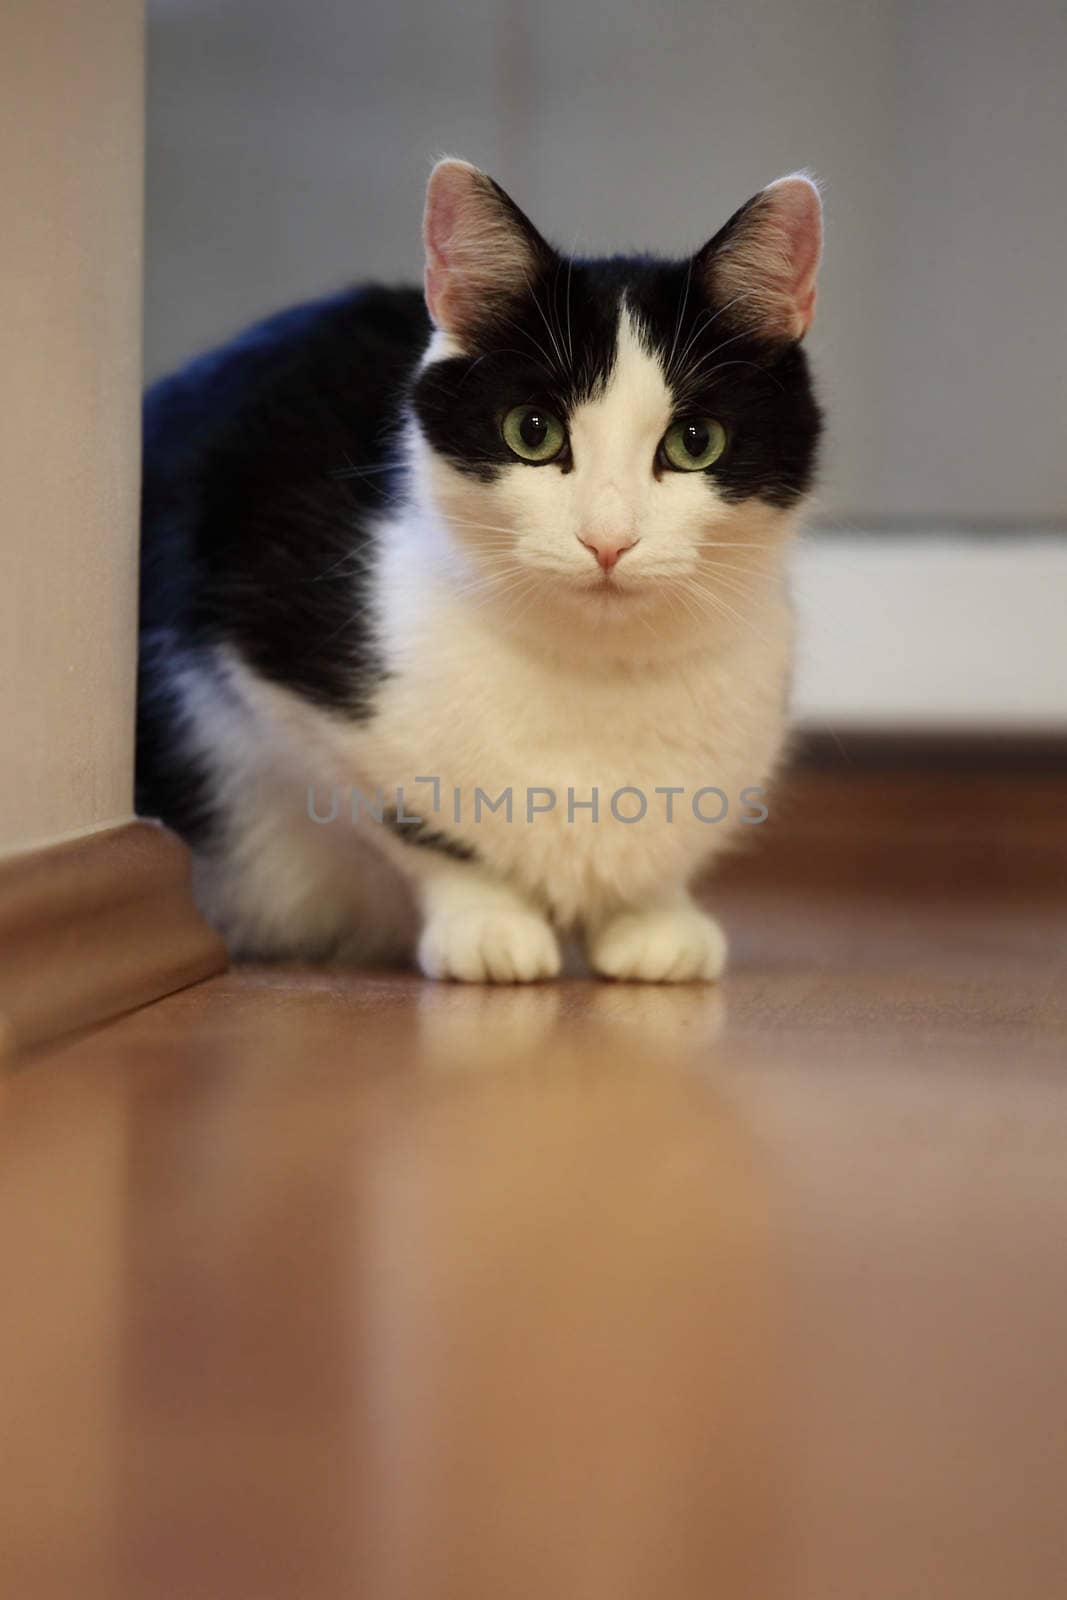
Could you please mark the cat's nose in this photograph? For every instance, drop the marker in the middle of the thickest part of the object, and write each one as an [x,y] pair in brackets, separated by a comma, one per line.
[607,547]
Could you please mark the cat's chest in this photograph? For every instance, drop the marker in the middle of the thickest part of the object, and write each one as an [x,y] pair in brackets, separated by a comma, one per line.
[582,785]
[478,717]
[559,787]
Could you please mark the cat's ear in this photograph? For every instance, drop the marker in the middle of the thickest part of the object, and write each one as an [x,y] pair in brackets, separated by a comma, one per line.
[480,249]
[763,263]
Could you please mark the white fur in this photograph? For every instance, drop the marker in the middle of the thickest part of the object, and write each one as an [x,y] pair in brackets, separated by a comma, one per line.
[674,943]
[515,662]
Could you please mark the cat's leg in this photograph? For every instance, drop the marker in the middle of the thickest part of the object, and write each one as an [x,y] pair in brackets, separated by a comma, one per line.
[478,929]
[277,886]
[669,940]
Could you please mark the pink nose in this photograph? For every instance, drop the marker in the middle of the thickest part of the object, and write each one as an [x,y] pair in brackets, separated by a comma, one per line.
[607,548]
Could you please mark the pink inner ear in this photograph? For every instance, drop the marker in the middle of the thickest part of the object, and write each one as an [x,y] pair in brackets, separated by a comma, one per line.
[799,216]
[442,210]
[438,228]
[450,185]
[806,309]
[434,281]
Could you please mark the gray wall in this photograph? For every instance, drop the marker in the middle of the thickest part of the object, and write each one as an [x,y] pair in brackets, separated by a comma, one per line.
[288,144]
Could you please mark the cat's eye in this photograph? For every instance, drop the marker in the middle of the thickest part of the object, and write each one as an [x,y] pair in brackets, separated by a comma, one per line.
[694,444]
[533,434]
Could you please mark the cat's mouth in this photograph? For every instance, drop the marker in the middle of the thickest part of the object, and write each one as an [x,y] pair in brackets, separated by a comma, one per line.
[608,588]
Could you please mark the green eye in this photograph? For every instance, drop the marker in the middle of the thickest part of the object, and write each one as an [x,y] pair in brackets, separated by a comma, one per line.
[695,444]
[533,434]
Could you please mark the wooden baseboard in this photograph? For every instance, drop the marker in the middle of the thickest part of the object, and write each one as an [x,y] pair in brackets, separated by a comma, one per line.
[94,927]
[930,751]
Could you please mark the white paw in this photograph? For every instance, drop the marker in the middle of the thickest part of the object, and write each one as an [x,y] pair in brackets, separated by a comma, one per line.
[489,945]
[678,944]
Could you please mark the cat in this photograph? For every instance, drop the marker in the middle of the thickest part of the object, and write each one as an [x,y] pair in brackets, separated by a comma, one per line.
[457,605]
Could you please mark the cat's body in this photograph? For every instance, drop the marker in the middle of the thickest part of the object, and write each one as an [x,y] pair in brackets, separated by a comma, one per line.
[390,654]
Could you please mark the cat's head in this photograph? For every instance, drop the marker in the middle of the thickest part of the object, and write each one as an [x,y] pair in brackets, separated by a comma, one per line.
[607,438]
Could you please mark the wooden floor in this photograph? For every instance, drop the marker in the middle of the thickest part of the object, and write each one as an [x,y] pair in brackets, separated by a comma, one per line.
[327,1285]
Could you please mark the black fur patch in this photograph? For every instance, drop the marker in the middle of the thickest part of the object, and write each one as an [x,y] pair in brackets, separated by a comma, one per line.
[265,465]
[556,347]
[759,389]
[170,782]
[416,830]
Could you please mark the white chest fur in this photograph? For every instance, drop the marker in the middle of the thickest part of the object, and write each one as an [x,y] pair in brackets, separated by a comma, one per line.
[465,716]
[471,713]
[606,770]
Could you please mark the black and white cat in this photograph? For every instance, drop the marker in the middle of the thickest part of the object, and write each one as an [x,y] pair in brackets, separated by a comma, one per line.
[452,623]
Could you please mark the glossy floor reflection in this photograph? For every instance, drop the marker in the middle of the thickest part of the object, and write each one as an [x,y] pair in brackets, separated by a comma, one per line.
[323,1284]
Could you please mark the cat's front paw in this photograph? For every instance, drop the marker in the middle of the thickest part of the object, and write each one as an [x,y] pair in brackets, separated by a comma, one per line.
[489,945]
[676,944]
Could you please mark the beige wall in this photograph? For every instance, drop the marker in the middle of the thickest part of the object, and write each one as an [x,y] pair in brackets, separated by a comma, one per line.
[288,144]
[71,147]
